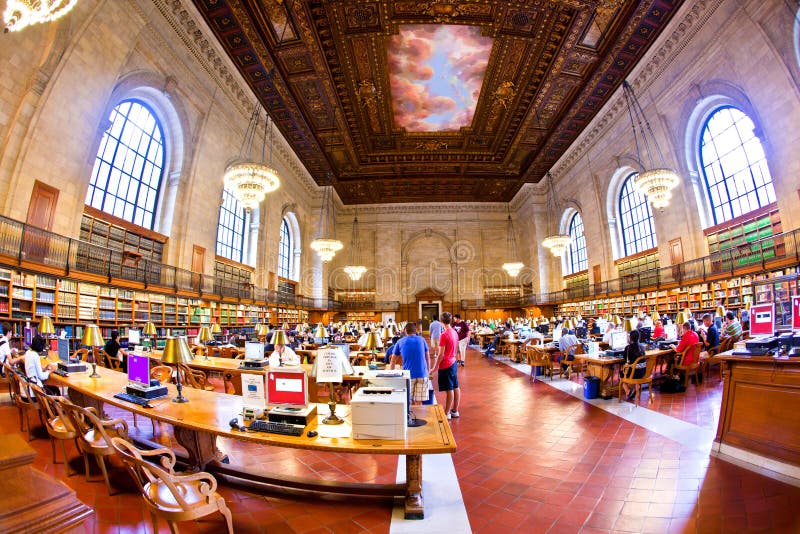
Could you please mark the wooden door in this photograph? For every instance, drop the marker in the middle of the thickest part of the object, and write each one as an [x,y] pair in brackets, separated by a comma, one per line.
[41,211]
[676,258]
[198,265]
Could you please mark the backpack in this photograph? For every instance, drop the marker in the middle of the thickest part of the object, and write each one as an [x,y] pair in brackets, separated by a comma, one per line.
[672,385]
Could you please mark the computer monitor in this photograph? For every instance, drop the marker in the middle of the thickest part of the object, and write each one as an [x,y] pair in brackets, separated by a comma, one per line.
[253,351]
[139,370]
[287,388]
[63,350]
[619,340]
[670,331]
[320,340]
[345,347]
[557,333]
[581,332]
[645,335]
[134,337]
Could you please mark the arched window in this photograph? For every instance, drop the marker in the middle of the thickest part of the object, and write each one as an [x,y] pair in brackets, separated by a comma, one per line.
[126,178]
[638,229]
[576,253]
[734,165]
[285,251]
[231,228]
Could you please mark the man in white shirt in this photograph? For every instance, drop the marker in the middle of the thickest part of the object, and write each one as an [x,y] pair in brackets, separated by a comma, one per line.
[7,354]
[283,355]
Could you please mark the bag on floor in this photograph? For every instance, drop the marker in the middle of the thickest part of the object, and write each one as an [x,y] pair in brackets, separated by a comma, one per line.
[672,385]
[490,349]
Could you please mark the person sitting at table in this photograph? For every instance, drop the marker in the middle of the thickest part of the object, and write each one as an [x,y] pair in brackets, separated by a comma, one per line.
[709,334]
[609,330]
[633,350]
[33,364]
[733,328]
[658,331]
[565,342]
[688,339]
[594,328]
[113,350]
[283,355]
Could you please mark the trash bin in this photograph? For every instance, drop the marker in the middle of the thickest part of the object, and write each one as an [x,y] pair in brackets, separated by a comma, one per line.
[431,396]
[538,370]
[591,387]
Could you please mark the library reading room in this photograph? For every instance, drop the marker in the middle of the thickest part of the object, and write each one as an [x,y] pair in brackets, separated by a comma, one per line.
[251,250]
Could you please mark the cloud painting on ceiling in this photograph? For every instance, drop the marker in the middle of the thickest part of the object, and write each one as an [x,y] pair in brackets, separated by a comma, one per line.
[436,73]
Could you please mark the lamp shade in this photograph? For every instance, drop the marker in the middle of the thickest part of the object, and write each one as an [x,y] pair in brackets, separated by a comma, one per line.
[681,318]
[720,311]
[568,324]
[386,333]
[320,331]
[285,326]
[91,336]
[373,342]
[631,324]
[215,328]
[205,334]
[176,351]
[262,330]
[46,325]
[617,321]
[280,338]
[149,329]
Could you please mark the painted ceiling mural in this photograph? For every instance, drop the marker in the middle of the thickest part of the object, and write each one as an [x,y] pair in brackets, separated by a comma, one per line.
[433,100]
[435,74]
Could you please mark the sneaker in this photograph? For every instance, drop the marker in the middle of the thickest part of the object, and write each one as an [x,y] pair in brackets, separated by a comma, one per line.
[454,414]
[448,416]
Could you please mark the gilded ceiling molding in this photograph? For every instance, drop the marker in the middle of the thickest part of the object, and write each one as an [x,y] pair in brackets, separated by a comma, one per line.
[421,208]
[684,30]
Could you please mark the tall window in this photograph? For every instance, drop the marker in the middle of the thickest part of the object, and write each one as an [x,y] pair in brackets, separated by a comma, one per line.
[127,171]
[230,229]
[576,254]
[285,251]
[734,165]
[638,230]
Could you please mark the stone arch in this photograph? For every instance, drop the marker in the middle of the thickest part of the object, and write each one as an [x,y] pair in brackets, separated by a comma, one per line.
[442,281]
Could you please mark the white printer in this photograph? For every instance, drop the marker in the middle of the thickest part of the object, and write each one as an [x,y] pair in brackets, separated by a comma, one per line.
[379,413]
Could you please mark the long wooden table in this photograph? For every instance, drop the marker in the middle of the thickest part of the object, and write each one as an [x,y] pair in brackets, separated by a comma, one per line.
[604,369]
[198,422]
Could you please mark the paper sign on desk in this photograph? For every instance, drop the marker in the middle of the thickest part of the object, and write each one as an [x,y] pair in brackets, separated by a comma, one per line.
[795,313]
[253,391]
[762,319]
[329,363]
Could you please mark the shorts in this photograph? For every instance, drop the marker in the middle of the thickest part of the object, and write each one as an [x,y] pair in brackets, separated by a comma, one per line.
[462,345]
[448,378]
[419,389]
[435,342]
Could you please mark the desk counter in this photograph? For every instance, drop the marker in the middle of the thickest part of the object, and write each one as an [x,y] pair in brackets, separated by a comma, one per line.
[198,422]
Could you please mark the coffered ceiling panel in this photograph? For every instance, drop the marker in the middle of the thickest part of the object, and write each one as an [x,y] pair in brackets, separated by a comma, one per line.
[433,101]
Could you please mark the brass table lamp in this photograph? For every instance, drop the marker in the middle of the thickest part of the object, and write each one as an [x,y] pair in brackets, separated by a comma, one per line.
[215,328]
[92,338]
[205,336]
[176,351]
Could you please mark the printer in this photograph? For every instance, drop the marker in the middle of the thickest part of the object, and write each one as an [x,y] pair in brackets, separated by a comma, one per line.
[379,413]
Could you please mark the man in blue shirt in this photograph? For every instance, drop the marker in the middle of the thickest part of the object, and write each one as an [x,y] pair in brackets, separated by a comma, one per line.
[416,360]
[436,328]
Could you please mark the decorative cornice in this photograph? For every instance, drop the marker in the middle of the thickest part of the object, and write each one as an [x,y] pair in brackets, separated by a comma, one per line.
[422,208]
[655,63]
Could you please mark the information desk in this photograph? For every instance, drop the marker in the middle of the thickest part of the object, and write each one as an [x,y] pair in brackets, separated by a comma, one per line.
[760,410]
[198,422]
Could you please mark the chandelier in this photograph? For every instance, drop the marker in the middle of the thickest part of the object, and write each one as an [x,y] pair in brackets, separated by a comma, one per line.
[514,266]
[20,14]
[250,181]
[354,269]
[326,245]
[557,243]
[657,183]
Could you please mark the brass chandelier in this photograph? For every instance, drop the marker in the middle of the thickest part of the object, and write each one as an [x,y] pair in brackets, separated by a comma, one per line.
[325,244]
[513,266]
[20,14]
[557,243]
[354,269]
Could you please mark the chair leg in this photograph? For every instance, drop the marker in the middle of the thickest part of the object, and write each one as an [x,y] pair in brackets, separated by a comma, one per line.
[28,424]
[102,463]
[154,520]
[86,465]
[134,421]
[173,527]
[21,426]
[226,513]
[53,448]
[650,393]
[638,394]
[66,460]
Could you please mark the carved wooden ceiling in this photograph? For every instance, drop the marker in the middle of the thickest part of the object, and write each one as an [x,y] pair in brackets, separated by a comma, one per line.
[320,68]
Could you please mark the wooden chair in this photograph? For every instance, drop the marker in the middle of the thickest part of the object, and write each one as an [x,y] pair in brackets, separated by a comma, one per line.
[232,382]
[55,421]
[81,354]
[575,365]
[692,354]
[626,377]
[229,352]
[93,435]
[162,373]
[108,362]
[539,358]
[194,378]
[171,496]
[198,350]
[22,398]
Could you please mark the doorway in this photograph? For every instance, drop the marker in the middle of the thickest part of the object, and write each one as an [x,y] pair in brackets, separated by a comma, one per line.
[427,311]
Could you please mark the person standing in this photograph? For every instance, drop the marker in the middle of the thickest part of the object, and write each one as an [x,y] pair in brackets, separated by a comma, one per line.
[462,330]
[445,365]
[436,328]
[416,359]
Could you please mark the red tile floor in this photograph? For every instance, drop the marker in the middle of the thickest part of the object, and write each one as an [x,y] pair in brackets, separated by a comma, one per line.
[530,459]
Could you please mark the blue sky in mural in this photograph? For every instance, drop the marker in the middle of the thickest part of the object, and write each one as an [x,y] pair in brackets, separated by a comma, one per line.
[436,73]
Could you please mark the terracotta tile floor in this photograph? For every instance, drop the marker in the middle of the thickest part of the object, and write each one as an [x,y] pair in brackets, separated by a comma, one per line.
[530,459]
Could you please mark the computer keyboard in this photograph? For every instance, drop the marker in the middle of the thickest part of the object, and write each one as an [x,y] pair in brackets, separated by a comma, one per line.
[59,372]
[131,398]
[273,427]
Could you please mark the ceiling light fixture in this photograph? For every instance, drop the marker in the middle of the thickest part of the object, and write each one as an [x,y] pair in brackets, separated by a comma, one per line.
[557,243]
[514,266]
[656,183]
[326,245]
[20,14]
[354,269]
[250,181]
